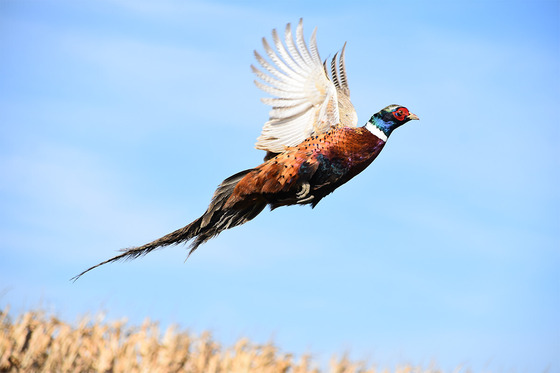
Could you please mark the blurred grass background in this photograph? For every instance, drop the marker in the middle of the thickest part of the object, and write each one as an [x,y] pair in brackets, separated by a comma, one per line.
[36,341]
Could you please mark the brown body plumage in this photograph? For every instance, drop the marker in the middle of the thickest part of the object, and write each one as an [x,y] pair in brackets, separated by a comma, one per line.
[317,166]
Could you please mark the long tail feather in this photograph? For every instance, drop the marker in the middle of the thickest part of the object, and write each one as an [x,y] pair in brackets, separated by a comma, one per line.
[215,220]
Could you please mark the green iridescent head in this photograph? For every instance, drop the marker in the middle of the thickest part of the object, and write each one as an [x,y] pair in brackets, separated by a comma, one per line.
[391,117]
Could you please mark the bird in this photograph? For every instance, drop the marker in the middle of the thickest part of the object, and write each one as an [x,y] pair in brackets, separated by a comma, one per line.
[312,141]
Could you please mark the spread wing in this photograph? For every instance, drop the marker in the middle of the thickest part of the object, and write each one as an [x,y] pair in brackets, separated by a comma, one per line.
[306,100]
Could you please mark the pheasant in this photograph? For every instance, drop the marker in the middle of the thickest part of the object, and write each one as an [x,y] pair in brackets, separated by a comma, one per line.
[312,142]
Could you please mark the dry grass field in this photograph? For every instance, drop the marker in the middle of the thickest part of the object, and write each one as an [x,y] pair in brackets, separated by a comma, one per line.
[37,342]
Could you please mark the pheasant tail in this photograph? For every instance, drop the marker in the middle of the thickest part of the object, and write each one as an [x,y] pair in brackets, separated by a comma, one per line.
[217,218]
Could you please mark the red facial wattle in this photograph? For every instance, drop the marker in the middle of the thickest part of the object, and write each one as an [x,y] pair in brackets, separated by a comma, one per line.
[401,114]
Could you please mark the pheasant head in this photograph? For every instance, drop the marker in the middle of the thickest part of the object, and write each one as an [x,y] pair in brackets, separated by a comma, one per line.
[389,118]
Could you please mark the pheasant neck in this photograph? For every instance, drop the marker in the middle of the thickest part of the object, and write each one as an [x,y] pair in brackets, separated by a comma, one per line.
[379,128]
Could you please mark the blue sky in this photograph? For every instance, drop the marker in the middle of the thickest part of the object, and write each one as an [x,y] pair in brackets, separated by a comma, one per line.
[118,119]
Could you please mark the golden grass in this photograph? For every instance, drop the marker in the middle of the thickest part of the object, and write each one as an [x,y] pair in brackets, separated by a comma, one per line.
[37,342]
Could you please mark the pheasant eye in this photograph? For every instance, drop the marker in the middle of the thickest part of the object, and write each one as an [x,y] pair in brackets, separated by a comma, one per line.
[400,114]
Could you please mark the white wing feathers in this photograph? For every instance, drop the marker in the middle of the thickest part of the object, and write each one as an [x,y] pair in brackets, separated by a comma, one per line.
[305,101]
[338,75]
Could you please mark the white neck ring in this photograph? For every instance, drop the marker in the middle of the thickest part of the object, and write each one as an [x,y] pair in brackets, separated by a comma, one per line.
[376,131]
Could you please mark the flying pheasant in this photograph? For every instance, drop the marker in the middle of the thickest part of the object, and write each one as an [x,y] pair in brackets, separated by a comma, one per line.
[312,142]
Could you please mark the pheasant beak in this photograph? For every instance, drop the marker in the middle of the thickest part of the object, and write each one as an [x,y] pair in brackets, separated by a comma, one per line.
[412,117]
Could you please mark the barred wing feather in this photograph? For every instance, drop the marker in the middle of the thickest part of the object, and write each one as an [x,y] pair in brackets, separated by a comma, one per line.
[306,100]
